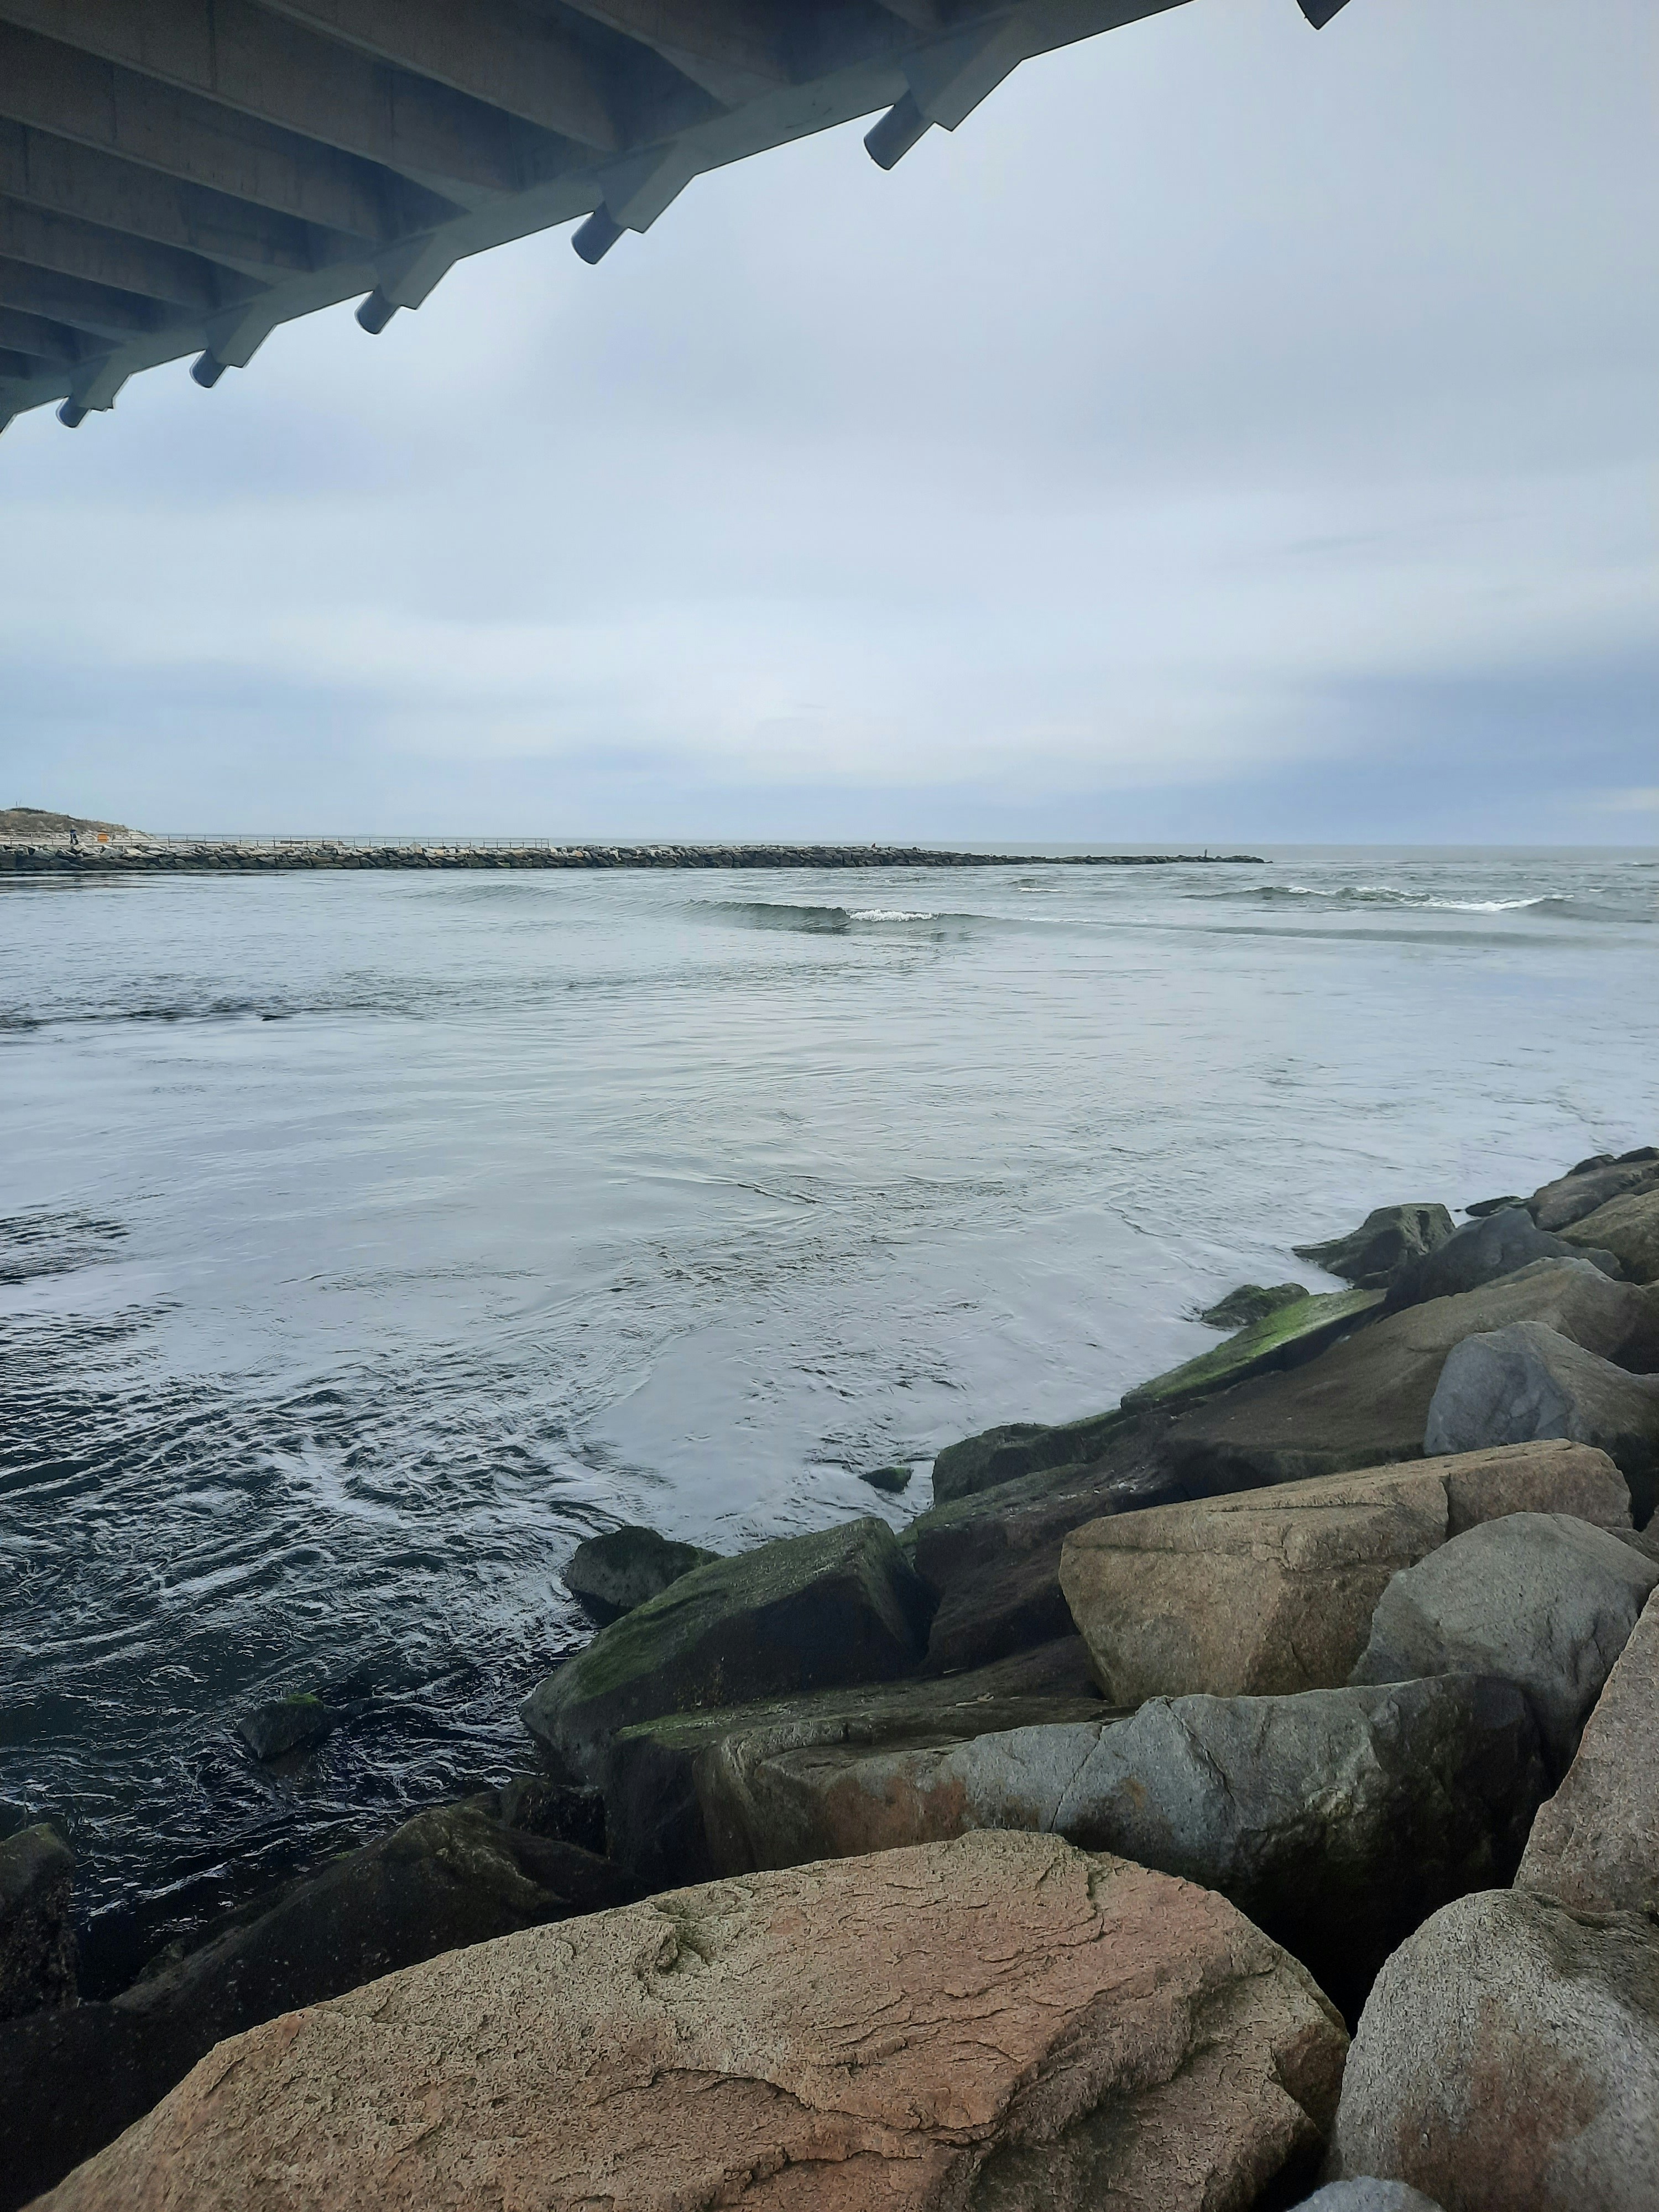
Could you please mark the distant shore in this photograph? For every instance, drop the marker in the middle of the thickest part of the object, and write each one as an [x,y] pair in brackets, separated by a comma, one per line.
[96,856]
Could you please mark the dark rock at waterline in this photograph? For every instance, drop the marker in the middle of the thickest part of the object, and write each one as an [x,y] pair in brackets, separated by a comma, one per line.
[286,1724]
[37,1937]
[1484,1207]
[805,1612]
[1287,1338]
[1482,1251]
[71,2080]
[538,1805]
[674,1788]
[1367,1402]
[1388,1238]
[1020,1448]
[1542,1600]
[1592,1184]
[892,1480]
[1251,1302]
[609,1574]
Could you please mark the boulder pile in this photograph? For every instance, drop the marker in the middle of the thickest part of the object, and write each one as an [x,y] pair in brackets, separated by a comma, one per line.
[1043,1854]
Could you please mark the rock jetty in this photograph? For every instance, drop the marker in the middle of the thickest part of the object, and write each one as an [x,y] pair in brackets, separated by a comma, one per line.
[1042,1854]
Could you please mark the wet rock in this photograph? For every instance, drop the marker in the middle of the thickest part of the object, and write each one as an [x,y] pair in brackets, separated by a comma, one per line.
[1483,1206]
[1287,1338]
[1264,1592]
[1020,1448]
[1251,1302]
[1594,1845]
[1525,1381]
[1592,1184]
[285,1725]
[1366,1402]
[675,1787]
[1370,1256]
[564,1811]
[1627,1227]
[36,1938]
[1365,2193]
[69,2082]
[1072,2030]
[1481,1252]
[1508,2061]
[1542,1600]
[609,1574]
[805,1613]
[892,1480]
[1337,1818]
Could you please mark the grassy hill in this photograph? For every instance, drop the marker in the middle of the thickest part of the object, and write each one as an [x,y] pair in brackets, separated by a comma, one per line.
[40,822]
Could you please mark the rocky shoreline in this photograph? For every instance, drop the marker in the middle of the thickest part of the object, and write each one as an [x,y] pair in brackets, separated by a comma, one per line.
[132,854]
[1250,1785]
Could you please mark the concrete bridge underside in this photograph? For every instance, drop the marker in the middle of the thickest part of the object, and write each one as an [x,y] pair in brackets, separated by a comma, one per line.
[178,177]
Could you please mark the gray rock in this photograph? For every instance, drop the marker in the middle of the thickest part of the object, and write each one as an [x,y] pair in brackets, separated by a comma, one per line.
[1508,2061]
[1367,1401]
[892,1480]
[36,1938]
[1542,1600]
[1370,1256]
[285,1725]
[71,2080]
[1365,2193]
[1592,1183]
[1018,1448]
[1627,1227]
[1595,1845]
[1286,1338]
[609,1574]
[1251,1302]
[1513,1385]
[1483,1206]
[1482,1251]
[805,1613]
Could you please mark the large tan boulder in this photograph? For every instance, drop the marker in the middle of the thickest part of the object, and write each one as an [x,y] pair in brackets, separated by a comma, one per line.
[1262,1592]
[1595,1844]
[1628,1227]
[1001,2021]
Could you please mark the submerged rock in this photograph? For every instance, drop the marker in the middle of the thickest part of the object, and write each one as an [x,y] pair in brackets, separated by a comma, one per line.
[1251,1302]
[893,1481]
[71,2080]
[1595,1846]
[1627,1227]
[1366,1402]
[37,1937]
[287,1724]
[609,1574]
[1508,2061]
[1542,1600]
[805,1613]
[1001,2021]
[1390,1237]
[1264,1592]
[1483,1251]
[1525,1381]
[1286,1338]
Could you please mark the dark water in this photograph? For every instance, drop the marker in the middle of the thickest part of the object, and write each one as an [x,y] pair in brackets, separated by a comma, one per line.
[366,1241]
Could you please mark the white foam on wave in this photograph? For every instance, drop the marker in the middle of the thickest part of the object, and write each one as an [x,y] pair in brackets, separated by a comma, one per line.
[890,914]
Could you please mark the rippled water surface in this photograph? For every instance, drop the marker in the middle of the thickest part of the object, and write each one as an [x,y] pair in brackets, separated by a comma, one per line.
[366,1240]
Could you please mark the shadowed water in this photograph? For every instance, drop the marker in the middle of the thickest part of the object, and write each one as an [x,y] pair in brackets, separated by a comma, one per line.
[366,1240]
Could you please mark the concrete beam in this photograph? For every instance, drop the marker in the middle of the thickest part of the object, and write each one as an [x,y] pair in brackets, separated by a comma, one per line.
[60,178]
[238,56]
[93,103]
[96,308]
[106,256]
[729,47]
[506,57]
[55,343]
[20,367]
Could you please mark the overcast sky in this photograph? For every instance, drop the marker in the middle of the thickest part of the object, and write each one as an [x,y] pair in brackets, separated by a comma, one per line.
[1229,432]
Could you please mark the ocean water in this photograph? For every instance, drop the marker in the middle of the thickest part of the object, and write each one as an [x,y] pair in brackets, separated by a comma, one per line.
[368,1240]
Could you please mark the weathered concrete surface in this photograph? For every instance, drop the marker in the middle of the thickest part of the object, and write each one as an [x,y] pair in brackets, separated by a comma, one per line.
[1628,1227]
[71,2080]
[1263,1592]
[1525,1381]
[1336,1819]
[671,1818]
[1542,1600]
[611,1574]
[1002,2023]
[1594,1845]
[1284,1338]
[1366,1402]
[1389,1239]
[1508,2061]
[805,1613]
[37,1937]
[1482,1251]
[1572,1198]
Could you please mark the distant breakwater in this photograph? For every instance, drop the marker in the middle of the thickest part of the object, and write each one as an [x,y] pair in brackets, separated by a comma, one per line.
[250,857]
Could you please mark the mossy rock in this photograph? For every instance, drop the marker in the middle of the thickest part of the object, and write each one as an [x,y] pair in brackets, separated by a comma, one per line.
[1293,1333]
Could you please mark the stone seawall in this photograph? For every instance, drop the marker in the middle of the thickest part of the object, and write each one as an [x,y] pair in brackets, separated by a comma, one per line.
[64,859]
